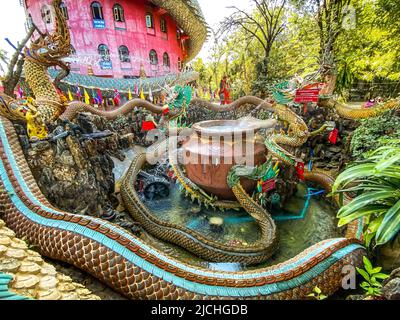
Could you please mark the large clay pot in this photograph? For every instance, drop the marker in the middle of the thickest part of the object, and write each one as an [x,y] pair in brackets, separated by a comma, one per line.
[217,146]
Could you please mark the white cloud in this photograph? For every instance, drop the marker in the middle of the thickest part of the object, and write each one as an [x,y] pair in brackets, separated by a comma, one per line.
[12,23]
[215,11]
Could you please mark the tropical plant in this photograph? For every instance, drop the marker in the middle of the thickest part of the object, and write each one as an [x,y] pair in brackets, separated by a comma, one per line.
[317,294]
[376,181]
[368,135]
[372,278]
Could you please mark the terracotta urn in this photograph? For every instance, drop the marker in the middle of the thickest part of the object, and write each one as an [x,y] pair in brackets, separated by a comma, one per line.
[218,145]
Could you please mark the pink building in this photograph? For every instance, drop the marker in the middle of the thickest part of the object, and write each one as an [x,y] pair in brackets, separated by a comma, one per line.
[114,38]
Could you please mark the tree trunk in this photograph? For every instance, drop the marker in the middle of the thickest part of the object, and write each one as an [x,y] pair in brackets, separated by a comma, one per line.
[16,65]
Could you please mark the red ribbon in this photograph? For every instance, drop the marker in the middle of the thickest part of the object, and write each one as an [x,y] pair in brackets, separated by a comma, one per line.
[166,111]
[300,170]
[333,136]
[148,125]
[268,185]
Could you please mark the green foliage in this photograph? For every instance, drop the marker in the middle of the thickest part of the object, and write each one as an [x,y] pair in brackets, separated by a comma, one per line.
[317,294]
[372,278]
[368,135]
[376,180]
[368,51]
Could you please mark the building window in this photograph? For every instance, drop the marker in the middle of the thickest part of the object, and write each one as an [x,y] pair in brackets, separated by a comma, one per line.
[118,13]
[153,57]
[46,14]
[97,11]
[104,52]
[163,25]
[149,21]
[179,64]
[166,61]
[124,54]
[64,10]
[29,21]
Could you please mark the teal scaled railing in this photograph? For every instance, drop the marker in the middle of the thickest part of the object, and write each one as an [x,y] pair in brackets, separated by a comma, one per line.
[5,293]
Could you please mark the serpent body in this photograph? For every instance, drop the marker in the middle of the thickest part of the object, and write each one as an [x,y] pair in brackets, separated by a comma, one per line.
[347,112]
[190,239]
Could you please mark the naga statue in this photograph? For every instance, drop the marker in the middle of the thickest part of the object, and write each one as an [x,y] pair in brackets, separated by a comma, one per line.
[127,263]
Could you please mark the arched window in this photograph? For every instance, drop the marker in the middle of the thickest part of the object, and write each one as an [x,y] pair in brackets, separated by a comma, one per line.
[73,51]
[166,61]
[153,57]
[104,52]
[118,13]
[46,14]
[179,64]
[163,25]
[149,21]
[97,11]
[124,54]
[64,10]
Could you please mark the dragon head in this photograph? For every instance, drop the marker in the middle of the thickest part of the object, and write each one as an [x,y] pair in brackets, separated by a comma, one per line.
[50,49]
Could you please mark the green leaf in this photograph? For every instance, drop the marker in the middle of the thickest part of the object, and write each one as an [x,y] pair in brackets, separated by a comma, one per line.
[381,276]
[376,270]
[364,274]
[371,209]
[362,201]
[390,225]
[368,238]
[386,163]
[317,290]
[367,264]
[353,173]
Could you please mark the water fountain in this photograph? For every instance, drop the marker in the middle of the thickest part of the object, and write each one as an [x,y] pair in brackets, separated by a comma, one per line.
[216,147]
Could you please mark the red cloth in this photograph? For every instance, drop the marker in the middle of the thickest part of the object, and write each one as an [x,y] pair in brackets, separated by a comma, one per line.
[333,136]
[148,125]
[268,185]
[300,170]
[166,111]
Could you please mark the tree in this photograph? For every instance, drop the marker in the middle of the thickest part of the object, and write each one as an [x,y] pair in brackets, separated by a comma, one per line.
[390,12]
[329,15]
[15,65]
[3,59]
[264,25]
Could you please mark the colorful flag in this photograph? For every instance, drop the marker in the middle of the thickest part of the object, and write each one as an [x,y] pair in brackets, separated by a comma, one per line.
[142,94]
[71,98]
[136,90]
[130,94]
[150,94]
[20,92]
[100,96]
[117,97]
[78,93]
[87,97]
[95,98]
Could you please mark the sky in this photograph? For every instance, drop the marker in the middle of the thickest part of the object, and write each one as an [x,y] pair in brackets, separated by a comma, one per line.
[12,19]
